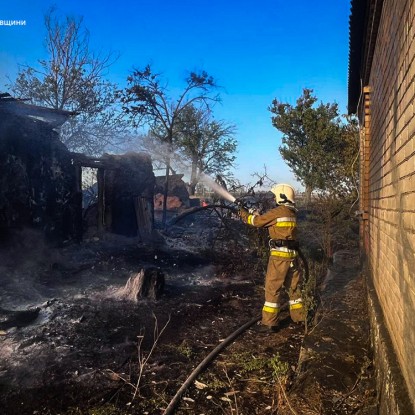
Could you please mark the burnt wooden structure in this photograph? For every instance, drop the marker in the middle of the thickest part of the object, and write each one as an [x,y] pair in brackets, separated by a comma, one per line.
[41,180]
[125,192]
[38,184]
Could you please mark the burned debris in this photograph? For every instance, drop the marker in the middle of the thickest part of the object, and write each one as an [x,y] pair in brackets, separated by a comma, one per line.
[177,195]
[148,283]
[125,187]
[41,181]
[38,184]
[78,345]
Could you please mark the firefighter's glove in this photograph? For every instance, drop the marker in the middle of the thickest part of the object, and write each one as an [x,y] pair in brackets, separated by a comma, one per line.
[243,214]
[239,204]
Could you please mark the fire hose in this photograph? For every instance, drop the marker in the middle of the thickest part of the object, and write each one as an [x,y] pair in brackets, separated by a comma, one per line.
[212,355]
[200,208]
[204,363]
[235,209]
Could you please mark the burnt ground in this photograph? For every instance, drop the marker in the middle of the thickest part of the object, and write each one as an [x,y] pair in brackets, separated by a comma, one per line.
[69,343]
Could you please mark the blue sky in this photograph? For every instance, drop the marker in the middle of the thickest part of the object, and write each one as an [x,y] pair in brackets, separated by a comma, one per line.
[256,50]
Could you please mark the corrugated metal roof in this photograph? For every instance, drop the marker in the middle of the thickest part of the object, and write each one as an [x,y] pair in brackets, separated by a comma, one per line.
[363,28]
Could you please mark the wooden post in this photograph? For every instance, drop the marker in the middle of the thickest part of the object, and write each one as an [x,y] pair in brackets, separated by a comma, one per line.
[101,200]
[109,196]
[78,229]
[144,217]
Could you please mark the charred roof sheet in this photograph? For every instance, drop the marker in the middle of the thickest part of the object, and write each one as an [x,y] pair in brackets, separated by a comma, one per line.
[53,117]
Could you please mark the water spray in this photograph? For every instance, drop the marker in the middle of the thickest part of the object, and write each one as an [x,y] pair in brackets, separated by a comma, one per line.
[217,188]
[221,191]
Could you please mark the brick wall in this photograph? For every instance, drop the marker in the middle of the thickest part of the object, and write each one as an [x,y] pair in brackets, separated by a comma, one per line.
[391,174]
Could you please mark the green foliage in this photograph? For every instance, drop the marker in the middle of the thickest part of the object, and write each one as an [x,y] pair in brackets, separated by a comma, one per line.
[213,381]
[248,363]
[279,368]
[146,99]
[185,350]
[309,290]
[329,225]
[182,349]
[316,145]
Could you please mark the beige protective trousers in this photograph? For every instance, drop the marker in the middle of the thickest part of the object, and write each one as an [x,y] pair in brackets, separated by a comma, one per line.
[279,273]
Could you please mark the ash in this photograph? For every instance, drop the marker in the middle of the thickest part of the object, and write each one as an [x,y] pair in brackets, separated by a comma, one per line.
[63,320]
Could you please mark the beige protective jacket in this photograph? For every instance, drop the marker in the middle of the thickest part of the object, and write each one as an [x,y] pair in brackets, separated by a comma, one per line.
[280,221]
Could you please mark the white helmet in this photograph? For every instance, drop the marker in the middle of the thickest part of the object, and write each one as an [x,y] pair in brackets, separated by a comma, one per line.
[284,193]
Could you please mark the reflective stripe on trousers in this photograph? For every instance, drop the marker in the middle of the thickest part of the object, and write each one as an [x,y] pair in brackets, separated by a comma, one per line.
[283,252]
[296,304]
[271,307]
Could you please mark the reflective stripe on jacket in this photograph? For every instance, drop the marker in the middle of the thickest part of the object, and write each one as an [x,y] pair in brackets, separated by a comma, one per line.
[286,222]
[281,222]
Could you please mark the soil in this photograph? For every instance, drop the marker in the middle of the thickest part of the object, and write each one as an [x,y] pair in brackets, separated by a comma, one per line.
[70,344]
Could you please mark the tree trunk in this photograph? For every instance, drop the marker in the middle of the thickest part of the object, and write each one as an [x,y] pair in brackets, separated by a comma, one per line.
[193,177]
[192,189]
[166,190]
[148,283]
[308,190]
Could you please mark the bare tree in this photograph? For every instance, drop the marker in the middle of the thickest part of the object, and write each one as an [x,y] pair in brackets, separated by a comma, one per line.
[72,78]
[147,101]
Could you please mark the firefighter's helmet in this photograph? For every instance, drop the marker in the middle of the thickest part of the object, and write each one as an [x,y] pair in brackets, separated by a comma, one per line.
[284,193]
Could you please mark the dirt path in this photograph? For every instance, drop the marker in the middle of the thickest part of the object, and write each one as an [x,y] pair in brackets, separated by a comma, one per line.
[336,373]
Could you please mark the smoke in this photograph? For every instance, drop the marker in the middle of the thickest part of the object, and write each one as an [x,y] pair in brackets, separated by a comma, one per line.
[208,181]
[161,151]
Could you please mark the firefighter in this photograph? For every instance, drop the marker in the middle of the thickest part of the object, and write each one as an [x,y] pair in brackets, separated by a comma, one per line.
[282,267]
